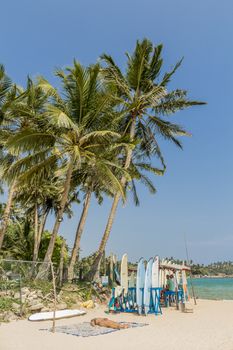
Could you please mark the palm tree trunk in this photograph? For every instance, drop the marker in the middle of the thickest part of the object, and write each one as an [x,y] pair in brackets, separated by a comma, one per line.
[48,256]
[41,228]
[49,253]
[7,211]
[61,264]
[93,274]
[79,231]
[35,250]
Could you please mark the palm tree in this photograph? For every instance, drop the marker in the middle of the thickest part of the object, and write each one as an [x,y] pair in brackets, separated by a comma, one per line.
[38,198]
[145,101]
[72,131]
[18,243]
[7,95]
[22,109]
[96,179]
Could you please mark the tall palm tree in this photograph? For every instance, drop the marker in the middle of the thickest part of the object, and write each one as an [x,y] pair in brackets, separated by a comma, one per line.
[38,198]
[72,132]
[145,101]
[96,179]
[20,110]
[7,95]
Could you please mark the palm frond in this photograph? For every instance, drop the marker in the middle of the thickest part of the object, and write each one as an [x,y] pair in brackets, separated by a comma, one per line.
[112,75]
[155,63]
[135,194]
[175,101]
[167,76]
[58,118]
[99,135]
[138,64]
[48,88]
[168,130]
[29,141]
[150,168]
[148,183]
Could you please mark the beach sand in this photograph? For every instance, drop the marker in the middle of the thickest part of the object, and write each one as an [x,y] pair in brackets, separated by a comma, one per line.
[210,327]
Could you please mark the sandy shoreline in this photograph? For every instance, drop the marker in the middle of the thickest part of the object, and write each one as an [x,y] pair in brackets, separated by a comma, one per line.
[209,327]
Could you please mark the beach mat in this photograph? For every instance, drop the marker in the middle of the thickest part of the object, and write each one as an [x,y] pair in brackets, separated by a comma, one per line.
[86,330]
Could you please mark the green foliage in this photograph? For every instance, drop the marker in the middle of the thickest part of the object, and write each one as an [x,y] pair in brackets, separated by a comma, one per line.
[213,269]
[18,243]
[57,248]
[85,264]
[6,303]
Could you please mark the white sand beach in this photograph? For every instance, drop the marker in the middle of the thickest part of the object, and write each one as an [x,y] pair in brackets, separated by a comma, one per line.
[209,327]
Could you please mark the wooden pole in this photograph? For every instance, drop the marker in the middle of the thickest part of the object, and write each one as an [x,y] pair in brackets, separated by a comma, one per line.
[54,296]
[191,277]
[20,293]
[176,290]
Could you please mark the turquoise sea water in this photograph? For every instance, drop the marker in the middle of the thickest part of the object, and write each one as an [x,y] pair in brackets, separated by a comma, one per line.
[213,288]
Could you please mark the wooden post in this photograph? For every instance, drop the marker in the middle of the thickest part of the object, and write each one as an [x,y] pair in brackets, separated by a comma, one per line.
[55,297]
[191,279]
[20,293]
[193,293]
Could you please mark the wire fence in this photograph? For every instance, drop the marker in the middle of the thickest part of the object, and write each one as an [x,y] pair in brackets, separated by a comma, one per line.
[20,279]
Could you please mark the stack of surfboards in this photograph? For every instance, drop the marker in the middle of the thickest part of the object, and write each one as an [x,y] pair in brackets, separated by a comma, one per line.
[149,277]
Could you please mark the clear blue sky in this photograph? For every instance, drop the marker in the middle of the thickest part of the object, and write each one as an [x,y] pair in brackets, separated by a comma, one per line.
[195,196]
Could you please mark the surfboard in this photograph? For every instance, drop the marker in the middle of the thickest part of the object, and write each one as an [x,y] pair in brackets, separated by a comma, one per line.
[124,273]
[59,314]
[117,276]
[178,278]
[117,291]
[166,272]
[155,281]
[155,272]
[140,284]
[148,285]
[162,278]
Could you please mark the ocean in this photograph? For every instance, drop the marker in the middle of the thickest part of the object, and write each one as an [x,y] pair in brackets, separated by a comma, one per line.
[213,288]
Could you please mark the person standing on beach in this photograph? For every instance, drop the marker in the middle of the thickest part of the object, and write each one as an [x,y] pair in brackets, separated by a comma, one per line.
[171,283]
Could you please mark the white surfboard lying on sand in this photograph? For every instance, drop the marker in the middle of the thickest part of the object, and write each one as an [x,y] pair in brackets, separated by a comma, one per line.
[48,316]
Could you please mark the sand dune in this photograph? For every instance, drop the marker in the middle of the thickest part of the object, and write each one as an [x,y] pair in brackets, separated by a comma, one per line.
[209,327]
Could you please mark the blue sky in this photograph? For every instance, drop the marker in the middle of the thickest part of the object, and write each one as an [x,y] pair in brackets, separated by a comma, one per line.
[195,196]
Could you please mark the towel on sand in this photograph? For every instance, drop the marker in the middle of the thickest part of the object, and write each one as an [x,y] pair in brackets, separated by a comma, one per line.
[86,330]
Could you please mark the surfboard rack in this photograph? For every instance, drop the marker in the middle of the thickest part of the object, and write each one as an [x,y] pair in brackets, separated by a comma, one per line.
[155,307]
[126,302]
[173,296]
